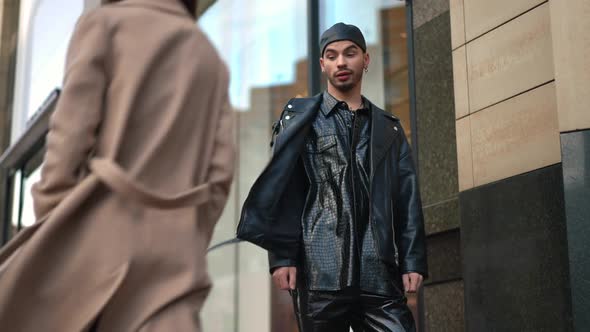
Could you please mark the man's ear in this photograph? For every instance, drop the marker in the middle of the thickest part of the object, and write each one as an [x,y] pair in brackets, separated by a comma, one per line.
[322,64]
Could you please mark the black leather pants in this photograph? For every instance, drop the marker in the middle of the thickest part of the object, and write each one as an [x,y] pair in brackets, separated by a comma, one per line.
[338,311]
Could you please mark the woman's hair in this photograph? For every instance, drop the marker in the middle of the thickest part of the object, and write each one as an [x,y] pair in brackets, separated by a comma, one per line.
[190,5]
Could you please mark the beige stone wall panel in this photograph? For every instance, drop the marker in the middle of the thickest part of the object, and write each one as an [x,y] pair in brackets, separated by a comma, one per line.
[457,23]
[460,83]
[570,24]
[484,15]
[465,162]
[515,136]
[510,60]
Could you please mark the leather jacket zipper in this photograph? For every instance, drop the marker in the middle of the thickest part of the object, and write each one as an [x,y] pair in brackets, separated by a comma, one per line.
[373,224]
[354,200]
[396,252]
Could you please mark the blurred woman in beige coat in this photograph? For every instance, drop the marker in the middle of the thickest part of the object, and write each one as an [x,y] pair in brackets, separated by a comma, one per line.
[140,156]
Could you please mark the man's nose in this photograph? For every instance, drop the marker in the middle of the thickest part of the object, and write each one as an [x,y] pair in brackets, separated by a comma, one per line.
[340,61]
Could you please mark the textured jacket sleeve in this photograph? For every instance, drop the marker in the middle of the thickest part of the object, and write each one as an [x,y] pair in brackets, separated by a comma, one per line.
[73,125]
[410,235]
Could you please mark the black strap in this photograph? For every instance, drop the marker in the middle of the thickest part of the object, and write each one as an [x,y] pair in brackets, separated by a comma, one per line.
[224,243]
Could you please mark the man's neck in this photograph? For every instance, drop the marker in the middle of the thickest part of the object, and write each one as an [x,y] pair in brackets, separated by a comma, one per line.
[353,97]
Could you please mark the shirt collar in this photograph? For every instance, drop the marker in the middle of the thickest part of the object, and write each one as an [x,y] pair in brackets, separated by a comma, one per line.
[330,103]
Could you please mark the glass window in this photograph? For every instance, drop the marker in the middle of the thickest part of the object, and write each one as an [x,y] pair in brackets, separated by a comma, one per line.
[260,41]
[383,23]
[16,207]
[264,44]
[28,214]
[23,214]
[45,28]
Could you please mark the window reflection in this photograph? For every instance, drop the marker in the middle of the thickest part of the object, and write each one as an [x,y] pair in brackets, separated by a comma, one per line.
[264,44]
[28,215]
[23,214]
[16,201]
[261,42]
[383,23]
[43,49]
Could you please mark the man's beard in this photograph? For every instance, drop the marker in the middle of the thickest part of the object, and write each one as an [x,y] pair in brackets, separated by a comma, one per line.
[345,87]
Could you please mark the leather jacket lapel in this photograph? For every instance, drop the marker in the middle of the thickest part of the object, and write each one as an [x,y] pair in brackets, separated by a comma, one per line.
[382,135]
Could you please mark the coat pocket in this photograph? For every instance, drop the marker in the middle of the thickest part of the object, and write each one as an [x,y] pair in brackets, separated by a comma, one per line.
[321,144]
[324,143]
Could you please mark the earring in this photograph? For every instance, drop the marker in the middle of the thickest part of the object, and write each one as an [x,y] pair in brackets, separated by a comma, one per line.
[366,69]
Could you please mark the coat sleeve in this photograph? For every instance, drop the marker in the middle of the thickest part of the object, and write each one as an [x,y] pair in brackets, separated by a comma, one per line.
[221,167]
[73,125]
[409,226]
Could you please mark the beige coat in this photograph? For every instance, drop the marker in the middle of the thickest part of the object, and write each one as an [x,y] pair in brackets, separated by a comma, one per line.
[122,234]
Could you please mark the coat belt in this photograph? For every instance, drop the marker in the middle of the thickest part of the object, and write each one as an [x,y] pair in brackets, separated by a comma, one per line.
[120,182]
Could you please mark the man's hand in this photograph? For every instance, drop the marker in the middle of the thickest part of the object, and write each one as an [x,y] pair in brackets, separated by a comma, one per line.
[285,277]
[412,281]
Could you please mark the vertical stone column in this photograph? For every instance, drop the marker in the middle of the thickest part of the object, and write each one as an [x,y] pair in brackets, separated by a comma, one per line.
[570,22]
[437,164]
[9,14]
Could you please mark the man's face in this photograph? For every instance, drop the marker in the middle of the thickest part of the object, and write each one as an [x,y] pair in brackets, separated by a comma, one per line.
[343,63]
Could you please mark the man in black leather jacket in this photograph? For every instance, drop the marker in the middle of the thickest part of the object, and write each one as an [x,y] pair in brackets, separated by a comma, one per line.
[338,206]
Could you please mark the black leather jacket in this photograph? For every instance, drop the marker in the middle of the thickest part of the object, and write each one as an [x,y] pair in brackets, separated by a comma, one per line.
[271,215]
